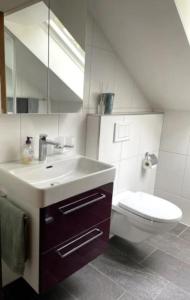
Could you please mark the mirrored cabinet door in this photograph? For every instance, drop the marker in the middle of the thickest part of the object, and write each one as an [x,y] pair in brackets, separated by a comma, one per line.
[26,59]
[66,55]
[45,57]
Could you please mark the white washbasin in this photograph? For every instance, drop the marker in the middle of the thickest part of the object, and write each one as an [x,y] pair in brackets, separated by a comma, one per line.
[58,172]
[43,184]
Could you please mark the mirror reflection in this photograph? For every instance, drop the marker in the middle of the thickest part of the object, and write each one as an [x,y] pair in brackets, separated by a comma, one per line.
[44,63]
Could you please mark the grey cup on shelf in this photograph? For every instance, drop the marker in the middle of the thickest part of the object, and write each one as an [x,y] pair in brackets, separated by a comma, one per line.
[105,103]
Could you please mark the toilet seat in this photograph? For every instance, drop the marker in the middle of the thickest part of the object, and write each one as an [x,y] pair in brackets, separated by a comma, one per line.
[147,206]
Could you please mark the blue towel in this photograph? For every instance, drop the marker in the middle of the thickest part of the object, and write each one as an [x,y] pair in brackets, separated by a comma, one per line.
[13,222]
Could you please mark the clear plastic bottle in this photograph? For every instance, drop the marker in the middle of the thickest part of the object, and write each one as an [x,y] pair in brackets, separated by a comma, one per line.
[28,151]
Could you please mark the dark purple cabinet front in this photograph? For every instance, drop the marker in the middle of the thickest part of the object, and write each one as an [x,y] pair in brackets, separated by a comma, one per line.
[69,217]
[72,233]
[72,255]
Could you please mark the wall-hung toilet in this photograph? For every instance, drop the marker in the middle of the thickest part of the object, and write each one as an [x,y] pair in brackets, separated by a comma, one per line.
[138,216]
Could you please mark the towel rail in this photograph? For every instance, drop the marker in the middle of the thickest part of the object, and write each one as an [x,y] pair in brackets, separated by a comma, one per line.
[1,273]
[3,194]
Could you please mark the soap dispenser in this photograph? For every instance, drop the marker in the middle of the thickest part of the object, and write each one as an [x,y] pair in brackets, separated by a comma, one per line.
[28,151]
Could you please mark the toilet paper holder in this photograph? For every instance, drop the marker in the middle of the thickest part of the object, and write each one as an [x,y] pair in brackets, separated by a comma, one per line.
[150,161]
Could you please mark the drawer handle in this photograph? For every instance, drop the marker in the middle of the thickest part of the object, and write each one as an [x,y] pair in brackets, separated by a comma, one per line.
[66,212]
[99,233]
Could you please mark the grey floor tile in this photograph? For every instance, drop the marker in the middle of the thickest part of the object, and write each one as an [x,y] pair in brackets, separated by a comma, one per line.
[58,293]
[179,228]
[138,252]
[172,292]
[170,267]
[174,245]
[88,284]
[137,280]
[185,235]
[127,296]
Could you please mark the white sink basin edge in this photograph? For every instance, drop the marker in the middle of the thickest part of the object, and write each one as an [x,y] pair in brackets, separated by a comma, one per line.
[43,184]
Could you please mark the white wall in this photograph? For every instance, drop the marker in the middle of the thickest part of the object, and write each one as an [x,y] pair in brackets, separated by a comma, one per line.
[102,67]
[173,176]
[15,128]
[144,136]
[105,72]
[183,7]
[150,38]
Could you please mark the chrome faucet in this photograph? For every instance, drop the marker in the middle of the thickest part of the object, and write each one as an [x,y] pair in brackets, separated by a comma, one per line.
[43,142]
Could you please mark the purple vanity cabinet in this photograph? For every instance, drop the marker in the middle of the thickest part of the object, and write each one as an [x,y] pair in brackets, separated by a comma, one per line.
[72,233]
[72,255]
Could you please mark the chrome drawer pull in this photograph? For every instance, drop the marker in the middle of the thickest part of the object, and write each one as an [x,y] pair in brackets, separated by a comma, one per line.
[80,206]
[49,220]
[58,251]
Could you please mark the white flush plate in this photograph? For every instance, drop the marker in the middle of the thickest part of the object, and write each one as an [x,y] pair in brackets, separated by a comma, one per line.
[121,132]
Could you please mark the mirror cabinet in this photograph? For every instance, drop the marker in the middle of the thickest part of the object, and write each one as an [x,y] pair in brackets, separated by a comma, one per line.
[43,58]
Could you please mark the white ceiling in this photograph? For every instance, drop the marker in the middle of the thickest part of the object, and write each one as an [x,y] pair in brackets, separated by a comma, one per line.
[149,37]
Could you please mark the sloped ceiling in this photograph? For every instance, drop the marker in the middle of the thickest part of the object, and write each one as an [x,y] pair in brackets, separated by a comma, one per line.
[6,5]
[149,37]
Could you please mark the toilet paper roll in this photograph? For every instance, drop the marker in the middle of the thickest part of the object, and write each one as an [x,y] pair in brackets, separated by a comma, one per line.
[150,161]
[148,165]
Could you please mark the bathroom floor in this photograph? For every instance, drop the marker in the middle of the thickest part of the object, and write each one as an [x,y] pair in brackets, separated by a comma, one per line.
[157,269]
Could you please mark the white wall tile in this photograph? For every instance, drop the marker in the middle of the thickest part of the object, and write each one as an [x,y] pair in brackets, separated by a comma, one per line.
[89,30]
[15,128]
[186,180]
[127,154]
[74,125]
[127,175]
[87,76]
[145,178]
[138,98]
[34,125]
[115,189]
[102,74]
[176,132]
[109,74]
[151,127]
[10,137]
[131,147]
[99,40]
[170,172]
[109,151]
[92,136]
[123,87]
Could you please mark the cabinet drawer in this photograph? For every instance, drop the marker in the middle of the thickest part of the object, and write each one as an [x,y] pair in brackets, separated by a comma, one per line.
[59,263]
[68,218]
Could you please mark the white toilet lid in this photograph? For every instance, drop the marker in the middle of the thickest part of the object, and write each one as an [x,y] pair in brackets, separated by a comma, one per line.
[149,207]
